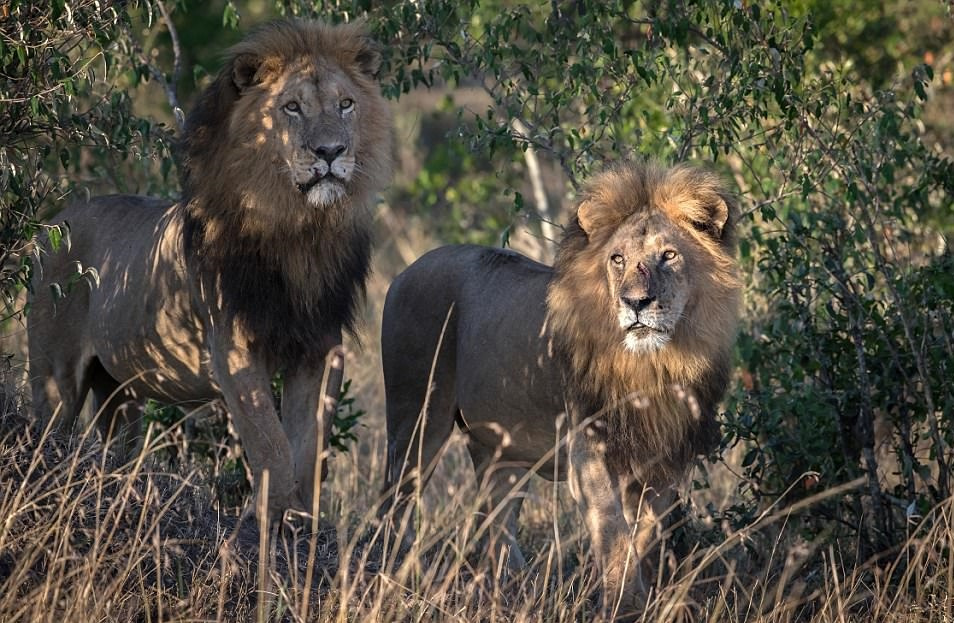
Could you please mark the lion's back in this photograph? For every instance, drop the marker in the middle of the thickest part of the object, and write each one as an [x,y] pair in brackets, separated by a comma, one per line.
[103,236]
[484,285]
[484,307]
[109,221]
[105,257]
[117,207]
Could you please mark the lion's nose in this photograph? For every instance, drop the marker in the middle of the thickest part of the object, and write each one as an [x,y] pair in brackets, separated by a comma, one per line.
[329,153]
[638,303]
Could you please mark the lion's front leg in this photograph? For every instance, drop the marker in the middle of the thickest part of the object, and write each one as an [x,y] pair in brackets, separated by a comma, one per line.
[245,384]
[648,510]
[601,496]
[309,398]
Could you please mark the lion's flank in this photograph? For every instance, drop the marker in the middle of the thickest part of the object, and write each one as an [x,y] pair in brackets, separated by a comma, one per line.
[658,407]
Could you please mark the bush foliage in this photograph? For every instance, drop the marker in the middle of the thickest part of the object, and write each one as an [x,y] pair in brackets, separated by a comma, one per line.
[66,121]
[844,361]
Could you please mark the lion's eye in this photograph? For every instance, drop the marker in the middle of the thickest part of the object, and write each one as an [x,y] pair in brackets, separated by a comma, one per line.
[617,259]
[346,104]
[292,107]
[668,255]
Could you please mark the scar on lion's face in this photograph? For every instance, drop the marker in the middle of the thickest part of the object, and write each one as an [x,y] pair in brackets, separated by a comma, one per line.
[645,263]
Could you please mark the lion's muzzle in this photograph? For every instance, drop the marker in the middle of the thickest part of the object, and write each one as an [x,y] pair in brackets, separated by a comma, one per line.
[639,302]
[329,153]
[330,170]
[644,324]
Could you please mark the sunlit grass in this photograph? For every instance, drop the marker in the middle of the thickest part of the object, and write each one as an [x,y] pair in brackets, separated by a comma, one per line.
[84,538]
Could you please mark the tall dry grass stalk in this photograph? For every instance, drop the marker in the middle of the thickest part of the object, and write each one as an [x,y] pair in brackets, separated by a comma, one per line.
[85,537]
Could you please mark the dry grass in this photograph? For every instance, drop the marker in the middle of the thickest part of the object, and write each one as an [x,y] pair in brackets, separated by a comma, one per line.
[85,538]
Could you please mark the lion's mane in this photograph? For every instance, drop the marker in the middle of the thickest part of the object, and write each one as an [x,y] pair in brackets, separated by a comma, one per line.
[289,272]
[656,431]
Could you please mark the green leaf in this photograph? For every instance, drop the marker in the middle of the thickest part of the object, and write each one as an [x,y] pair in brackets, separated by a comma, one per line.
[505,237]
[230,16]
[750,457]
[55,236]
[517,202]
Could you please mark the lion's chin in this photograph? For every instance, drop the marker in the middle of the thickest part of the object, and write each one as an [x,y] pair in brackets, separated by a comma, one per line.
[643,340]
[325,192]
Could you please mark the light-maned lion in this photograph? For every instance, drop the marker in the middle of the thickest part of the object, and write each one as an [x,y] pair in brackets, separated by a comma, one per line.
[256,270]
[630,333]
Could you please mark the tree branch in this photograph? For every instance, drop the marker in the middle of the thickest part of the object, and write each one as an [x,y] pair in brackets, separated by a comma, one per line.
[548,229]
[169,86]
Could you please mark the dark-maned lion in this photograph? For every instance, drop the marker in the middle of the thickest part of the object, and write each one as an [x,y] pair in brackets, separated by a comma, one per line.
[256,270]
[630,333]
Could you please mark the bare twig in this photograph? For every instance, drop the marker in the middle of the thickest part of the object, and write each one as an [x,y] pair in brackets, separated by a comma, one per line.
[169,86]
[547,227]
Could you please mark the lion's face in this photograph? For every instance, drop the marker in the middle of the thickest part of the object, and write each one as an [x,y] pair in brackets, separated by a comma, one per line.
[310,121]
[306,123]
[645,264]
[652,246]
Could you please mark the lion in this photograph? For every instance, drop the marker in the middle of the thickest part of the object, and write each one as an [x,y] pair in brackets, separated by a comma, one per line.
[629,334]
[257,270]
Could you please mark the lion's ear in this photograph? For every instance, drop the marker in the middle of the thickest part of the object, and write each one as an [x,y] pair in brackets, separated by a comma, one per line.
[713,215]
[593,215]
[587,216]
[368,57]
[718,214]
[250,69]
[244,70]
